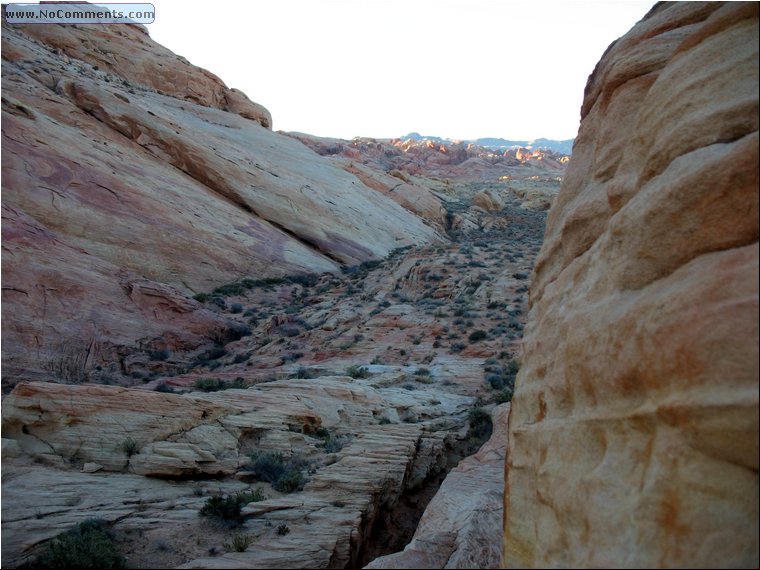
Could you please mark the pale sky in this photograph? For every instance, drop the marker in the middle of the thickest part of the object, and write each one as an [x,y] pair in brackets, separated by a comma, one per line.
[383,68]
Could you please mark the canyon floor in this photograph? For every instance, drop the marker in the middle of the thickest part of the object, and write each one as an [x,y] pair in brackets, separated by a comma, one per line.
[368,386]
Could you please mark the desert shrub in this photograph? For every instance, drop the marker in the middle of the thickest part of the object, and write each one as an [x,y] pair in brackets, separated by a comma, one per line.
[230,289]
[268,466]
[201,297]
[129,446]
[236,331]
[481,426]
[292,480]
[86,546]
[504,395]
[330,443]
[271,466]
[358,371]
[165,388]
[236,308]
[216,384]
[305,373]
[241,357]
[238,384]
[208,384]
[212,354]
[282,529]
[239,542]
[158,355]
[227,508]
[477,335]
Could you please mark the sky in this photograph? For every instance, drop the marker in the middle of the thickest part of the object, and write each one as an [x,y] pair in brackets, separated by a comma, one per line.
[459,69]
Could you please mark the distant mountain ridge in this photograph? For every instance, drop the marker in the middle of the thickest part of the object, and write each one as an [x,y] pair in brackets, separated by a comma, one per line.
[564,146]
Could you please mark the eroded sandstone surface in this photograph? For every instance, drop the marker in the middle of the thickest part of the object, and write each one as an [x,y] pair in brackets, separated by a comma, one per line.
[132,180]
[377,379]
[633,437]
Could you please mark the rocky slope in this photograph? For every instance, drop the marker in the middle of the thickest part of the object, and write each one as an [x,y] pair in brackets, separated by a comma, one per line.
[377,380]
[132,179]
[633,436]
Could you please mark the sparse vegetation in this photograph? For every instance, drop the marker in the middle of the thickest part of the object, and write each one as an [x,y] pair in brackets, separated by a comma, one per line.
[216,384]
[477,335]
[239,542]
[129,446]
[330,443]
[86,546]
[358,371]
[226,509]
[481,426]
[271,467]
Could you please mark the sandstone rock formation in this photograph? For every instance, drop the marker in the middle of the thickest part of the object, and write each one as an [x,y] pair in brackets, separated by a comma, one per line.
[633,437]
[132,179]
[462,526]
[99,434]
[434,159]
[146,460]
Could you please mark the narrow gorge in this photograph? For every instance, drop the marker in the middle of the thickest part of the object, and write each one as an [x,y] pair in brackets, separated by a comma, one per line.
[231,347]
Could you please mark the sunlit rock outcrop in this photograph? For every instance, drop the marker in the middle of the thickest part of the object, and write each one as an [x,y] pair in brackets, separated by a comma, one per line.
[633,437]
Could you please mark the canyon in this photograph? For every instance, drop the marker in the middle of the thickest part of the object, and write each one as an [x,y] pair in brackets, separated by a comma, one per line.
[231,347]
[177,307]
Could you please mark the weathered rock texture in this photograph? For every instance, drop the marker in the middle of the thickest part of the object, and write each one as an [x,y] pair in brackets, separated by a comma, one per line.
[634,428]
[107,444]
[438,159]
[132,179]
[462,525]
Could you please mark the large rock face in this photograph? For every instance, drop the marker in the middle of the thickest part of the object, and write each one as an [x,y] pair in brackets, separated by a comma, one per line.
[124,164]
[634,428]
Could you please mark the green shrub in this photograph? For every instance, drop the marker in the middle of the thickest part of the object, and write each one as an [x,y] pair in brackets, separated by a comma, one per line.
[305,373]
[481,426]
[331,443]
[504,395]
[292,480]
[239,542]
[129,446]
[477,335]
[216,384]
[227,508]
[208,384]
[268,466]
[358,371]
[230,289]
[284,476]
[85,546]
